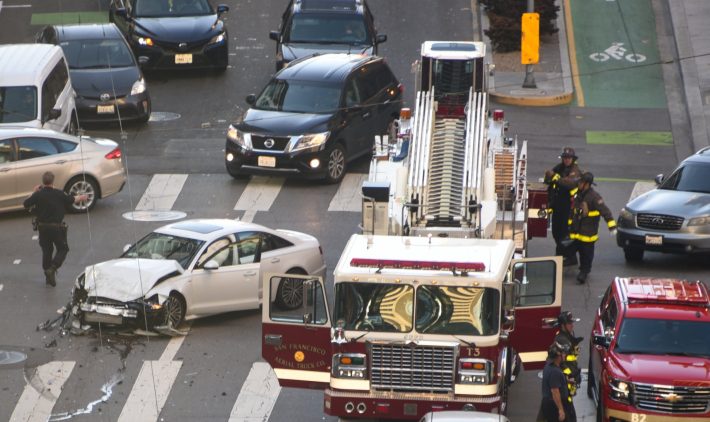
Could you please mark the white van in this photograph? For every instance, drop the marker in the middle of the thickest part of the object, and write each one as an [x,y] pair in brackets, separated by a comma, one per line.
[35,90]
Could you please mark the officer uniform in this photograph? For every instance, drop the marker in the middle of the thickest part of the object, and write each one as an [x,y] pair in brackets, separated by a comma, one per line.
[588,207]
[569,343]
[554,379]
[562,183]
[49,205]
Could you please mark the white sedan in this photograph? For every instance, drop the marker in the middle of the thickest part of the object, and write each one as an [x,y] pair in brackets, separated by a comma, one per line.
[195,268]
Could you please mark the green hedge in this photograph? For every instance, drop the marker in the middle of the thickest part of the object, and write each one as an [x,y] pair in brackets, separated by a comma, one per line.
[504,18]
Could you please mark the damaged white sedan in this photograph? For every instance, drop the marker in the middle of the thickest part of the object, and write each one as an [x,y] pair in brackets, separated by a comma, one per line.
[192,269]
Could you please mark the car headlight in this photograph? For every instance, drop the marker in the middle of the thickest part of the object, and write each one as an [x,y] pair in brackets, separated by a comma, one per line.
[475,371]
[138,87]
[349,365]
[238,137]
[699,221]
[144,41]
[625,214]
[312,141]
[217,38]
[619,390]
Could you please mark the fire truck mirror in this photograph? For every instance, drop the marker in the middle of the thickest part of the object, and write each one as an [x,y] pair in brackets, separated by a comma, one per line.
[309,292]
[510,292]
[603,341]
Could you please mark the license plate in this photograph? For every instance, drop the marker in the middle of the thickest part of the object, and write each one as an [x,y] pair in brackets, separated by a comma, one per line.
[264,161]
[183,58]
[654,240]
[103,318]
[105,109]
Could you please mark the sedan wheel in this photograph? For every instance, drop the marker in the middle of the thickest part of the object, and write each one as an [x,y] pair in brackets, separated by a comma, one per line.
[82,185]
[336,164]
[289,295]
[174,309]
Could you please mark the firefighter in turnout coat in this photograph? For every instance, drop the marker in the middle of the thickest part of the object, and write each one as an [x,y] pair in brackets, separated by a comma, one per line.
[588,207]
[562,184]
[569,343]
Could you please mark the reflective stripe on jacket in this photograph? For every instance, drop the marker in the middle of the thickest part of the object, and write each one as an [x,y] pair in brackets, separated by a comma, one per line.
[587,209]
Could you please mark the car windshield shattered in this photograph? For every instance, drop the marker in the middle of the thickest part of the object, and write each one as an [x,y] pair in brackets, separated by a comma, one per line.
[438,309]
[692,177]
[172,8]
[97,54]
[165,246]
[664,337]
[299,97]
[328,29]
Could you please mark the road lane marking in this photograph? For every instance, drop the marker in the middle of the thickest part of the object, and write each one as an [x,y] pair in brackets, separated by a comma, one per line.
[174,344]
[258,395]
[259,195]
[162,192]
[150,391]
[41,392]
[17,261]
[348,197]
[622,137]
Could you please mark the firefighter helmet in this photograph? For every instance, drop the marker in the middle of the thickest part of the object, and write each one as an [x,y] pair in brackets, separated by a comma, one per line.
[566,317]
[568,152]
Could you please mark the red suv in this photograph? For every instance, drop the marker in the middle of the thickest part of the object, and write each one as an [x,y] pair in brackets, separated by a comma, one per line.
[649,357]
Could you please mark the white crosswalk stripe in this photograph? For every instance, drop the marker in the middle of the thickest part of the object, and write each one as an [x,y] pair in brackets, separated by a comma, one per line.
[258,395]
[162,192]
[348,197]
[41,392]
[259,195]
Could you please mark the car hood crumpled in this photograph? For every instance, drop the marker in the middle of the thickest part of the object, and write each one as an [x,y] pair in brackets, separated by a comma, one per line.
[672,202]
[127,279]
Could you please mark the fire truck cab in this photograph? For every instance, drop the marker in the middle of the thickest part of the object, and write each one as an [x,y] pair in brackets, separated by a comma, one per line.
[409,325]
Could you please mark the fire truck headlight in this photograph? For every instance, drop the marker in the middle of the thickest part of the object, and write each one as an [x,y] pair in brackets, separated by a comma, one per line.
[475,371]
[349,366]
[619,390]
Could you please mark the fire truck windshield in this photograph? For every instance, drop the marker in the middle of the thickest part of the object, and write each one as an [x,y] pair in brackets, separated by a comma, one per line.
[438,309]
[664,337]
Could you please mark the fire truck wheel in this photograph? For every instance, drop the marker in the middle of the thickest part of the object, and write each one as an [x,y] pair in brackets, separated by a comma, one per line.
[289,294]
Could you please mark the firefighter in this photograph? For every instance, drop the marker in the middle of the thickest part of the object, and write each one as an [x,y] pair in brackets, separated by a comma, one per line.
[588,206]
[556,405]
[562,183]
[570,345]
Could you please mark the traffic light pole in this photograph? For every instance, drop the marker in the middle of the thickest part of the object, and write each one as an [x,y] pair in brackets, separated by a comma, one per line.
[529,81]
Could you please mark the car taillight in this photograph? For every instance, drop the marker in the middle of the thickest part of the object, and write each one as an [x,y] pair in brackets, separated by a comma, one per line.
[114,155]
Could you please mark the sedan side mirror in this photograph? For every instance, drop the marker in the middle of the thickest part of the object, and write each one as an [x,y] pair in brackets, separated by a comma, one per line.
[126,247]
[222,8]
[603,341]
[274,35]
[251,99]
[658,179]
[211,265]
[54,114]
[380,38]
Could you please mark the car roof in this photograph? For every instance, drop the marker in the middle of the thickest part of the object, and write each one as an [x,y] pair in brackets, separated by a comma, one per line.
[13,131]
[702,156]
[209,228]
[87,31]
[23,64]
[666,298]
[333,67]
[334,6]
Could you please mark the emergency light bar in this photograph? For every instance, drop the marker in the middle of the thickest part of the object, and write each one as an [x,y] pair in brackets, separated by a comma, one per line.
[417,265]
[668,291]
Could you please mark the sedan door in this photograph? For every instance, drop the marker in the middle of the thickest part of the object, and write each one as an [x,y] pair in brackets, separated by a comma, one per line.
[7,174]
[232,285]
[37,156]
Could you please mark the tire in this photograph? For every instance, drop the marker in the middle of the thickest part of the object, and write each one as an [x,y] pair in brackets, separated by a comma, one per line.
[633,254]
[600,408]
[590,378]
[235,174]
[145,118]
[289,294]
[336,165]
[81,185]
[174,310]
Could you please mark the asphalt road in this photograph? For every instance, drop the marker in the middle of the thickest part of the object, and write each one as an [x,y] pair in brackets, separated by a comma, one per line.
[201,378]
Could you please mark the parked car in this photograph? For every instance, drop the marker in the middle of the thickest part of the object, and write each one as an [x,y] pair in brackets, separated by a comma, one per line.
[35,89]
[325,26]
[173,33]
[315,116]
[649,352]
[462,416]
[108,83]
[195,268]
[674,217]
[81,165]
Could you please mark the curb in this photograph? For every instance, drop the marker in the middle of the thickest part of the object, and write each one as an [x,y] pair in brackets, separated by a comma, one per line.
[537,101]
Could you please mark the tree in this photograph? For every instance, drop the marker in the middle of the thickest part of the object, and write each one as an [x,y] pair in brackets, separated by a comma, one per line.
[504,18]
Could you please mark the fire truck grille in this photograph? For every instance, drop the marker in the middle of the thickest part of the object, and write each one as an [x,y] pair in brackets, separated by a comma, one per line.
[659,221]
[672,399]
[405,368]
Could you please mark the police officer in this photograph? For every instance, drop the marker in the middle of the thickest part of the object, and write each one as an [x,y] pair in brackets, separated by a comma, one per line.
[562,183]
[570,345]
[48,205]
[587,208]
[556,405]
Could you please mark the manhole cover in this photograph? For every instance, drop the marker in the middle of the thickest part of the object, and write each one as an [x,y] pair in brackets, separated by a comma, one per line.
[154,215]
[163,116]
[10,357]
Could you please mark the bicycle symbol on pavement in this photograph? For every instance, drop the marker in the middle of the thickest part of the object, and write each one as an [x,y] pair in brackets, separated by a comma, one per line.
[617,52]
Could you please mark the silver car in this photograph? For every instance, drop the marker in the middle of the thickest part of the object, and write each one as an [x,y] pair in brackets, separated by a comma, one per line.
[674,217]
[81,165]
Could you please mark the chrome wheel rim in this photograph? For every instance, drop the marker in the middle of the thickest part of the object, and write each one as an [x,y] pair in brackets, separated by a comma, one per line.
[336,164]
[292,292]
[173,311]
[82,187]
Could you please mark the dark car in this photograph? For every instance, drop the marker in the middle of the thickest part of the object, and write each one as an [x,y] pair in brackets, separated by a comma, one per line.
[325,26]
[108,83]
[314,116]
[168,34]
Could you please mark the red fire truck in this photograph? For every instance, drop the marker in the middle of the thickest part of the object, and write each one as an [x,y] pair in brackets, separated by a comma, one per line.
[414,324]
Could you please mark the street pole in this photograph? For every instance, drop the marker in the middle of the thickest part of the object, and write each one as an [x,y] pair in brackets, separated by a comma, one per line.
[529,81]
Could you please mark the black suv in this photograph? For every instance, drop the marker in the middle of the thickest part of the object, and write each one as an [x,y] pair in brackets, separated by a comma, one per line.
[325,26]
[314,116]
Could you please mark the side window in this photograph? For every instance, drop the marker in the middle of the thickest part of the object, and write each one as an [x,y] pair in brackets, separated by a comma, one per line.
[6,151]
[35,148]
[270,242]
[53,87]
[248,247]
[536,282]
[64,146]
[383,77]
[609,315]
[313,307]
[217,250]
[352,96]
[365,83]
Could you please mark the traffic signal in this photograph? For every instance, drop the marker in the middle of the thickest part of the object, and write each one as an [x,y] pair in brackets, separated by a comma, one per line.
[530,38]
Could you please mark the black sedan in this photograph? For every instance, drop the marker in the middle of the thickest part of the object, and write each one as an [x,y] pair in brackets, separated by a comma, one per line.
[169,34]
[109,84]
